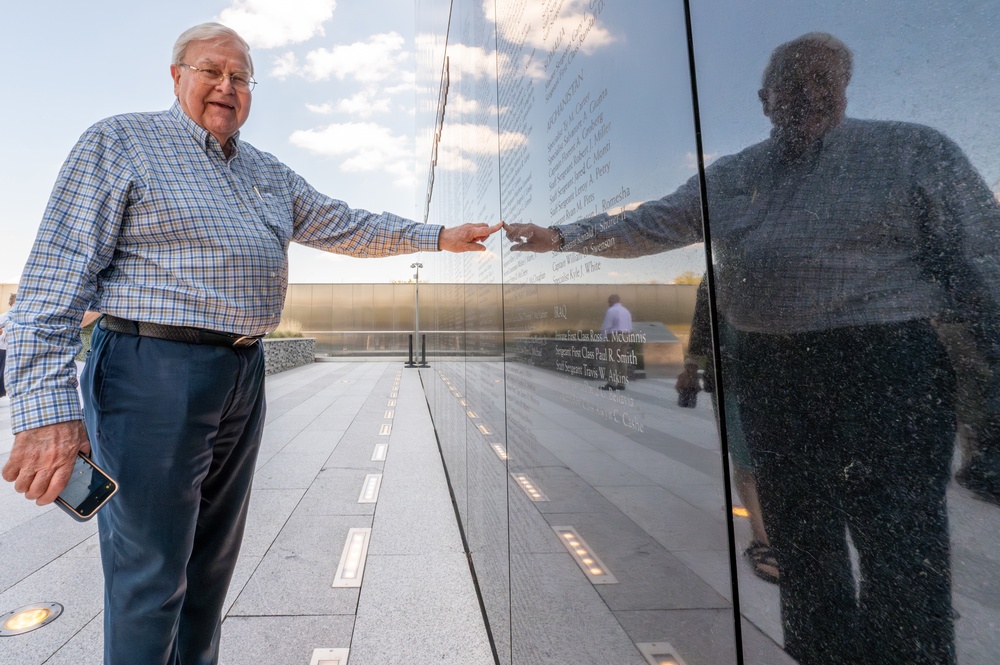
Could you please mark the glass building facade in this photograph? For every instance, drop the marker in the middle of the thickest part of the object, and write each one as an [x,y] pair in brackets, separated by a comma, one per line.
[843,508]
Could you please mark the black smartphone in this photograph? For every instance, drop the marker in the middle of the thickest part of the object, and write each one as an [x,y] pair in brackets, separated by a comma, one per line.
[88,489]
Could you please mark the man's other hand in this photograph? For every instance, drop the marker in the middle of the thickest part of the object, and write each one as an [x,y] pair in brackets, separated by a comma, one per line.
[532,238]
[466,238]
[41,461]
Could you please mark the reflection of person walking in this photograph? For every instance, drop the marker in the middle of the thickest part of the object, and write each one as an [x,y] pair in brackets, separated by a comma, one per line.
[3,343]
[617,320]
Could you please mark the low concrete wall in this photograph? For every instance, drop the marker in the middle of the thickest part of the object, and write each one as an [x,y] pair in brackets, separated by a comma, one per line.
[286,353]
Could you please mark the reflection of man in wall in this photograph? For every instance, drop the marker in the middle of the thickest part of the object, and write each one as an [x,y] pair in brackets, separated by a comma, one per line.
[836,242]
[617,320]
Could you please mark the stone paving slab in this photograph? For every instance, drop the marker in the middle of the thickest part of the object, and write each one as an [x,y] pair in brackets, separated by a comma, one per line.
[322,425]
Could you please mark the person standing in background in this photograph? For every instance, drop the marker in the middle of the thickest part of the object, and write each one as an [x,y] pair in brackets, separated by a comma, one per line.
[617,320]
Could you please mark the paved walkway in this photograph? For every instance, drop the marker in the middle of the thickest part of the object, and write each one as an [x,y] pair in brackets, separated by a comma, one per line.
[417,602]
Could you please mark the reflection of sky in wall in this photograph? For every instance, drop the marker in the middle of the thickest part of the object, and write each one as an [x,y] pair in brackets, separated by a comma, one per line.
[935,63]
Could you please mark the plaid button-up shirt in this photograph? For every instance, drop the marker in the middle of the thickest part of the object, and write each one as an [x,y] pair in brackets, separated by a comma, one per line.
[149,221]
[878,222]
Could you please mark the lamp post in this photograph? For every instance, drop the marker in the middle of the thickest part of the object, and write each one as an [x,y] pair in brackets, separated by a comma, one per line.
[416,302]
[416,311]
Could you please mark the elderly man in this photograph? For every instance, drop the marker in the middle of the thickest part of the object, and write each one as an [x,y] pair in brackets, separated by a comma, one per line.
[177,230]
[835,243]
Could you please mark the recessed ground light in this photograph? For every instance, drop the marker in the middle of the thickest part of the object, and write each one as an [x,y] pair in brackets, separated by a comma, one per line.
[529,487]
[29,618]
[499,450]
[660,653]
[369,490]
[386,430]
[740,511]
[351,568]
[394,394]
[484,429]
[462,402]
[589,563]
[378,455]
[329,657]
[390,414]
[471,413]
[392,402]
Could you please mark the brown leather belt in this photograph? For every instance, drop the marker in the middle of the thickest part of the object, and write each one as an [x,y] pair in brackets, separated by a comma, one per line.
[176,333]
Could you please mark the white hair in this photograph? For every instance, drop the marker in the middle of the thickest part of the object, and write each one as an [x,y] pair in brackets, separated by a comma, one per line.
[208,32]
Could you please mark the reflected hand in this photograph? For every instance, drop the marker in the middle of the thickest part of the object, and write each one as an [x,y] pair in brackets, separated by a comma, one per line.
[41,461]
[531,238]
[466,238]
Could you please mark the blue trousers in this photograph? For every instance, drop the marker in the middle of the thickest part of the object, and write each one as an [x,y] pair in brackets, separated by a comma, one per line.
[851,431]
[178,426]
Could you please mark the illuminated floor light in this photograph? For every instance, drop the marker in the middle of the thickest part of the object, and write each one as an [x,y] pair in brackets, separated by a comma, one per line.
[370,488]
[660,653]
[529,487]
[29,618]
[471,413]
[394,394]
[462,402]
[352,560]
[392,402]
[740,511]
[389,415]
[499,450]
[589,563]
[378,455]
[484,429]
[386,430]
[329,657]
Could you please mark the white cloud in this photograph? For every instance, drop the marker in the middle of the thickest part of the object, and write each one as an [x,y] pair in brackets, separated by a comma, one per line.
[284,66]
[460,105]
[271,23]
[362,147]
[473,61]
[365,103]
[461,143]
[542,29]
[378,59]
[325,108]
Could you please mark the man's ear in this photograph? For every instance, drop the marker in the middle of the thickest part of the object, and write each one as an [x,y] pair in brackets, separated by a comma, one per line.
[175,74]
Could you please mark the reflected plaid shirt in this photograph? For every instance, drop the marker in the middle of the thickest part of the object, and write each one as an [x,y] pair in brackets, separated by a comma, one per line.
[879,222]
[149,221]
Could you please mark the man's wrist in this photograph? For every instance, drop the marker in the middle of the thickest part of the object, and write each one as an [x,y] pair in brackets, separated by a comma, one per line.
[560,239]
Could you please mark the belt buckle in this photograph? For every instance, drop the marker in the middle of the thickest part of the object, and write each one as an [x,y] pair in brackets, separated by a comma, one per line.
[244,341]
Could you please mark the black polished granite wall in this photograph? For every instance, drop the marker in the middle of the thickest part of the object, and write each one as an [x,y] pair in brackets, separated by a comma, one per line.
[606,519]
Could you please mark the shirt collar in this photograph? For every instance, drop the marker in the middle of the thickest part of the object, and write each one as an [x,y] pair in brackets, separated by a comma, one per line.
[200,134]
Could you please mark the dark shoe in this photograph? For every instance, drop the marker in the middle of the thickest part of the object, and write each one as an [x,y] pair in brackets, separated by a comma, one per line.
[762,561]
[608,386]
[984,486]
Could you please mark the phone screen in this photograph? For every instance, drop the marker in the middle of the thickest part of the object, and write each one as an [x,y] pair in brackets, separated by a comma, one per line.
[88,488]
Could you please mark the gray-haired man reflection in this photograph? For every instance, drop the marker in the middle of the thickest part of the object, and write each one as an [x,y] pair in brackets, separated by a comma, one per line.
[833,240]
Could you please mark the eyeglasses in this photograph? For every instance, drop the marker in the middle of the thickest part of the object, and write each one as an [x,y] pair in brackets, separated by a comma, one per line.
[241,81]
